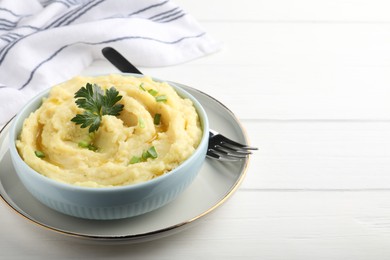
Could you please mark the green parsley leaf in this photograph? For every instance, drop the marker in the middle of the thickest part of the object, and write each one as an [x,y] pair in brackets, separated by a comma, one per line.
[96,104]
[88,119]
[109,102]
[90,98]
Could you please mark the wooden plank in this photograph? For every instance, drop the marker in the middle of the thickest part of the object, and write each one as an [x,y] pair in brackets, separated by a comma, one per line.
[338,71]
[290,11]
[280,93]
[251,225]
[319,155]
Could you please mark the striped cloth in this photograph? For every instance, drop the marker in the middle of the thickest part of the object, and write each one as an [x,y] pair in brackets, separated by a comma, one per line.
[48,41]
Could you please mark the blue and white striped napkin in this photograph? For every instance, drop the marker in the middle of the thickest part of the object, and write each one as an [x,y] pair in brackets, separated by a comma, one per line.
[48,41]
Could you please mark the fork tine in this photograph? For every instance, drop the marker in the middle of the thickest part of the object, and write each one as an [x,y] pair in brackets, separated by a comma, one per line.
[222,157]
[232,149]
[229,154]
[224,139]
[225,149]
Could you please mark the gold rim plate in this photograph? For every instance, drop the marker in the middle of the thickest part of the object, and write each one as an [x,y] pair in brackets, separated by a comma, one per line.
[216,182]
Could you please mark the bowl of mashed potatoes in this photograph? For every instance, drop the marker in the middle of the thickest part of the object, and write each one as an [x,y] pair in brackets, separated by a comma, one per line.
[109,146]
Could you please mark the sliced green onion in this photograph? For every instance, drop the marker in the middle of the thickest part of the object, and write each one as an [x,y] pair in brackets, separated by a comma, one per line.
[141,122]
[83,144]
[145,155]
[153,92]
[91,135]
[89,146]
[141,86]
[152,152]
[39,154]
[92,147]
[135,159]
[161,98]
[157,119]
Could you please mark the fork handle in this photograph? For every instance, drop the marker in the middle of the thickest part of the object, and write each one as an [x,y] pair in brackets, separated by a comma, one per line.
[120,62]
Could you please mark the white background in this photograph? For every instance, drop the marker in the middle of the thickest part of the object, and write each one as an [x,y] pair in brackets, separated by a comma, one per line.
[310,82]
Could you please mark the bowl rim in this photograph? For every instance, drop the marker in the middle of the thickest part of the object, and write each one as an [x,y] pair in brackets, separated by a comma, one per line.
[63,185]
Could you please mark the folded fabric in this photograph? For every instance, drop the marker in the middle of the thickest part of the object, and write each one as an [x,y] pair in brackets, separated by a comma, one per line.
[46,42]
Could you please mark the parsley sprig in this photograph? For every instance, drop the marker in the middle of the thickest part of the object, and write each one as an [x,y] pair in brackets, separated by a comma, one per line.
[96,104]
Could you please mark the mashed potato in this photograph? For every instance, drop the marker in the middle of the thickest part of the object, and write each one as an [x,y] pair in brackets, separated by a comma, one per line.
[50,131]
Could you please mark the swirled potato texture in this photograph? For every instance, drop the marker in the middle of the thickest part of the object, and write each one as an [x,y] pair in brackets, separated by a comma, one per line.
[119,145]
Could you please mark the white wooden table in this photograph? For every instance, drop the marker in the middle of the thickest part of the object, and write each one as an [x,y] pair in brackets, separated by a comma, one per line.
[310,82]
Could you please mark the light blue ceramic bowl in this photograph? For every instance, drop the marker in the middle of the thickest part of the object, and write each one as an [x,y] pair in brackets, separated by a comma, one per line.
[113,202]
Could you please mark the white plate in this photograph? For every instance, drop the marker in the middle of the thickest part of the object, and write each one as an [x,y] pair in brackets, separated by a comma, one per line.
[216,182]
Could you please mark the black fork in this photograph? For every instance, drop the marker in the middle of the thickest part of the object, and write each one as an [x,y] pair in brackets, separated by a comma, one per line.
[220,147]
